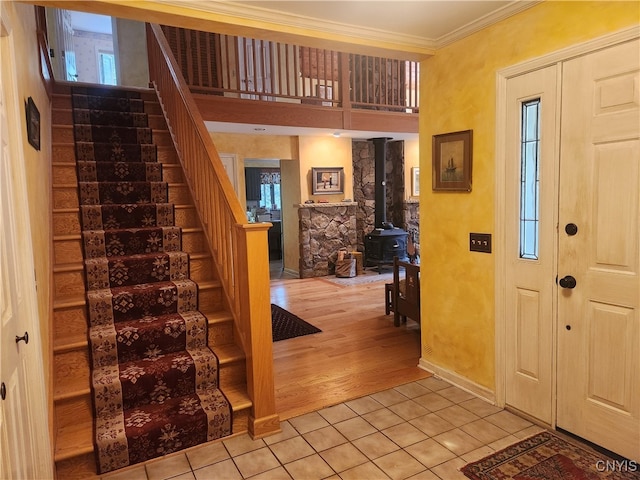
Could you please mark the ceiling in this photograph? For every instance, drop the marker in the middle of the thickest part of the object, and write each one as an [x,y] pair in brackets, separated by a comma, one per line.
[418,24]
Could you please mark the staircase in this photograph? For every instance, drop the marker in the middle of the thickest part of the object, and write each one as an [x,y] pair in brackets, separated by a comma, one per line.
[73,404]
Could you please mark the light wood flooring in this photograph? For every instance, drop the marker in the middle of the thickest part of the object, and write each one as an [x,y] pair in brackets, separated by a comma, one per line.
[358,352]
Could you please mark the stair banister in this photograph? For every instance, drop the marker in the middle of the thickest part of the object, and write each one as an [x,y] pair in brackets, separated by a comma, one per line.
[239,249]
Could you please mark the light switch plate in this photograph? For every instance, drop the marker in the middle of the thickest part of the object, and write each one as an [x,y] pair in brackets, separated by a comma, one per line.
[480,242]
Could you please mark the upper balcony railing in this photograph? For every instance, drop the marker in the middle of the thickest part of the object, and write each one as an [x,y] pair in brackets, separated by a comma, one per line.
[247,68]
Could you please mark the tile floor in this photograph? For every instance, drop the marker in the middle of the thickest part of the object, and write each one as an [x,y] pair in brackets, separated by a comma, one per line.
[421,430]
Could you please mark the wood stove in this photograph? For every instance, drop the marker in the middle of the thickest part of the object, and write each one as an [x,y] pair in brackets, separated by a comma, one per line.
[385,241]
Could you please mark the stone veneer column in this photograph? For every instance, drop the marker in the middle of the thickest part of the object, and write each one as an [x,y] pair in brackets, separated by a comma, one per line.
[325,228]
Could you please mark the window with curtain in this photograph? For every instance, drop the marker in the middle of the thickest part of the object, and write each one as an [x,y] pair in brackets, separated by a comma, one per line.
[270,188]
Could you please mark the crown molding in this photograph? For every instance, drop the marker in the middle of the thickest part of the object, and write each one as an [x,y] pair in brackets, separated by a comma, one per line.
[503,13]
[314,28]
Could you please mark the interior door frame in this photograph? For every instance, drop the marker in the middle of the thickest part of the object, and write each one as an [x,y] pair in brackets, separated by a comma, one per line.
[501,260]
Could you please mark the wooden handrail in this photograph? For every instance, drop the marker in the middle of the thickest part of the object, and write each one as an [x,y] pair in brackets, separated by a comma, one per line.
[239,249]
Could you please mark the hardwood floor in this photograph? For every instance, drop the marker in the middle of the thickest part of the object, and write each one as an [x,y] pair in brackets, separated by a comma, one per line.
[358,352]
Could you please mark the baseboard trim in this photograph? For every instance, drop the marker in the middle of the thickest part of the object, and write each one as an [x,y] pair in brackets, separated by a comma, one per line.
[458,381]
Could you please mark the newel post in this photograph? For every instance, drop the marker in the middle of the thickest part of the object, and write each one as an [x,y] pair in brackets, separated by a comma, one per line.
[254,302]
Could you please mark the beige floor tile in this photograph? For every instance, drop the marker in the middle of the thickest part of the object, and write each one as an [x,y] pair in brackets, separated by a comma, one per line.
[354,428]
[337,413]
[310,421]
[367,470]
[434,384]
[206,455]
[528,432]
[431,424]
[477,454]
[504,442]
[408,410]
[242,444]
[279,473]
[426,475]
[389,397]
[132,473]
[455,394]
[375,445]
[484,431]
[508,421]
[457,441]
[450,470]
[255,462]
[364,405]
[433,402]
[480,407]
[383,418]
[404,434]
[225,469]
[287,432]
[456,415]
[412,390]
[168,467]
[430,453]
[310,468]
[184,476]
[324,438]
[343,457]
[292,449]
[399,465]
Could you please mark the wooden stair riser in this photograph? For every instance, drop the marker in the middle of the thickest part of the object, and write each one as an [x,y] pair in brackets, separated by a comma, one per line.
[233,373]
[66,222]
[193,240]
[69,323]
[72,411]
[220,334]
[65,196]
[64,173]
[67,250]
[172,173]
[69,282]
[64,134]
[63,153]
[179,194]
[167,155]
[71,366]
[201,268]
[210,298]
[64,116]
[186,216]
[67,246]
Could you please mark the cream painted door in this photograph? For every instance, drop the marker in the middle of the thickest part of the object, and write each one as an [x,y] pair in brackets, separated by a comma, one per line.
[531,257]
[598,369]
[24,429]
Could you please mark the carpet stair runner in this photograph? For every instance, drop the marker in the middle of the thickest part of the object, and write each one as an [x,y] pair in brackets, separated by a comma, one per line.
[155,382]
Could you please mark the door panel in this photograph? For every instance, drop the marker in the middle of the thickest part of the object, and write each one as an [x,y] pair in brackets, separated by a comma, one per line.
[599,319]
[529,286]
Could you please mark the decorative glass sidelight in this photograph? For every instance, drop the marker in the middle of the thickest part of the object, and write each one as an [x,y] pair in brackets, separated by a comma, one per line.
[530,180]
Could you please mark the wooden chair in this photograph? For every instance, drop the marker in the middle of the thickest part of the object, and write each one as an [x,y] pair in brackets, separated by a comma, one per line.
[403,295]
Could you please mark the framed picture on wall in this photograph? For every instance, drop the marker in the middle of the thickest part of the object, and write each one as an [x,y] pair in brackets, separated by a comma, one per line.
[452,154]
[415,181]
[33,123]
[327,180]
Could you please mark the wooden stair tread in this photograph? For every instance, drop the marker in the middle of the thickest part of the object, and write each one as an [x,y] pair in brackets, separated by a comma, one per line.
[219,316]
[238,397]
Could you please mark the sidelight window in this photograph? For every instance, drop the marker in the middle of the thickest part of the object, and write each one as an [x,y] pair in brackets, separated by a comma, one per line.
[530,180]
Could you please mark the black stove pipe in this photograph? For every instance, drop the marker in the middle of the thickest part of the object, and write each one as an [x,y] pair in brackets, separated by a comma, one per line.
[380,150]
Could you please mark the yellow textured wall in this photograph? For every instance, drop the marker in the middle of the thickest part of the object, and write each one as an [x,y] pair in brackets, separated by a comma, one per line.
[458,90]
[325,152]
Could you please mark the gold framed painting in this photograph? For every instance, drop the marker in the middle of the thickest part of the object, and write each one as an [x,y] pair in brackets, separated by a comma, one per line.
[452,160]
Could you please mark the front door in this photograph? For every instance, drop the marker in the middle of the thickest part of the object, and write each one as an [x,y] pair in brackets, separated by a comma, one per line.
[599,250]
[572,251]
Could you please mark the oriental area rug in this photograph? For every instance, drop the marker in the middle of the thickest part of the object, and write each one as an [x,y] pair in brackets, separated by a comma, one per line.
[546,456]
[285,324]
[154,379]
